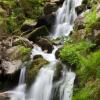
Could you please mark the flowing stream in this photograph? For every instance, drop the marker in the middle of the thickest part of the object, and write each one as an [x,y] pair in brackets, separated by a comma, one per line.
[42,88]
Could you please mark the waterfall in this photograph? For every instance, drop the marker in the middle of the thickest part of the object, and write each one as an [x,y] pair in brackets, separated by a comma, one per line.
[66,88]
[41,89]
[65,19]
[18,93]
[22,76]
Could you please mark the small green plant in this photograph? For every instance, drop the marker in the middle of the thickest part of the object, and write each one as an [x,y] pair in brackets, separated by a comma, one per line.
[90,19]
[91,64]
[70,52]
[24,50]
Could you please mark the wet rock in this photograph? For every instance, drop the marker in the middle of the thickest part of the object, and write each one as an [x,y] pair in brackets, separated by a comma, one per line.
[45,44]
[58,72]
[80,9]
[57,54]
[49,8]
[48,20]
[41,31]
[33,69]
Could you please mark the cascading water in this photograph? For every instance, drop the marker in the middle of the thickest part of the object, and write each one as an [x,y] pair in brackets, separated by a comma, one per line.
[22,76]
[41,89]
[65,17]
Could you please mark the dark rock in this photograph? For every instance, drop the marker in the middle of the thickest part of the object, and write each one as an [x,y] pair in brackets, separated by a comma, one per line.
[41,31]
[48,20]
[45,44]
[57,54]
[85,2]
[49,8]
[80,9]
[28,26]
[8,80]
[59,2]
[58,72]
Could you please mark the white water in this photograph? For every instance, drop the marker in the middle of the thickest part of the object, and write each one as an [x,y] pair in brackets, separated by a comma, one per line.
[18,93]
[66,16]
[41,89]
[66,88]
[22,76]
[38,51]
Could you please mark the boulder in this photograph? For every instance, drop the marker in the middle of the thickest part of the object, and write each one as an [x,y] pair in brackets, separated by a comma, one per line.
[48,20]
[28,25]
[49,8]
[33,69]
[18,52]
[58,2]
[79,23]
[23,42]
[11,67]
[80,9]
[78,35]
[45,44]
[9,74]
[40,31]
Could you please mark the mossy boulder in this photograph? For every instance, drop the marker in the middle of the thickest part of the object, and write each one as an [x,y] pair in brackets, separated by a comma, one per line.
[33,70]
